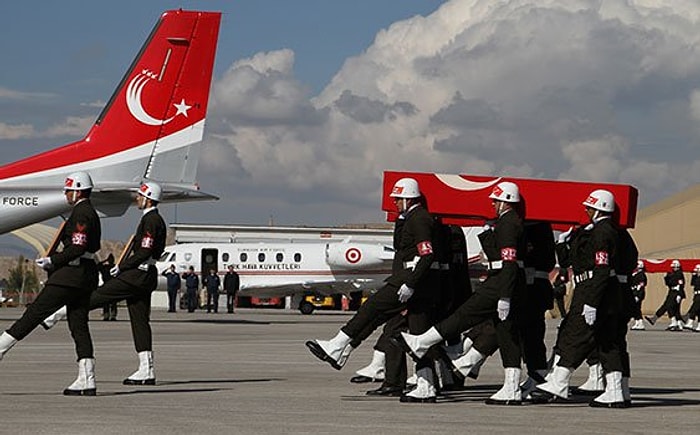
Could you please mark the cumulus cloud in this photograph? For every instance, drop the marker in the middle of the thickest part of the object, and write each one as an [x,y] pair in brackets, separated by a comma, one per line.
[19,131]
[605,91]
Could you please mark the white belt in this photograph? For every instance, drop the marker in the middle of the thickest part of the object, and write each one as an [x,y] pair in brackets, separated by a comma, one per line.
[498,264]
[434,265]
[144,266]
[588,274]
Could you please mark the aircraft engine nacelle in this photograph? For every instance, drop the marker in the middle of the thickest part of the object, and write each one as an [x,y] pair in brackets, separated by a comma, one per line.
[358,255]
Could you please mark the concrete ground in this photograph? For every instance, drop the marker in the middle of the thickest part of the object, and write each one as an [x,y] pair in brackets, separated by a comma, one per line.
[250,373]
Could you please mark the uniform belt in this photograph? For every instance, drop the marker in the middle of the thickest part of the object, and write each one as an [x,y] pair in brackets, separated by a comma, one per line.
[498,264]
[86,256]
[622,279]
[531,275]
[146,264]
[588,274]
[697,292]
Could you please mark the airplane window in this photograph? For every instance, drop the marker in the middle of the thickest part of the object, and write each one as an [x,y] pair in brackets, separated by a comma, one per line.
[224,257]
[243,257]
[261,257]
[173,256]
[297,257]
[280,257]
[164,257]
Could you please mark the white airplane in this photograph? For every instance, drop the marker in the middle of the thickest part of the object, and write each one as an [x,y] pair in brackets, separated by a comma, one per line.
[269,270]
[151,129]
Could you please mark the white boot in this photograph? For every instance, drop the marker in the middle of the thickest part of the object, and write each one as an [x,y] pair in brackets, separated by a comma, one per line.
[457,350]
[530,384]
[697,328]
[417,345]
[638,325]
[145,375]
[557,382]
[466,363]
[374,371]
[474,372]
[689,324]
[6,343]
[673,326]
[612,397]
[51,321]
[595,384]
[510,393]
[424,391]
[335,351]
[84,385]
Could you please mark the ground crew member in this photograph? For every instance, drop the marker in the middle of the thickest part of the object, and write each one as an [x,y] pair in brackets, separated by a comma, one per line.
[232,283]
[191,288]
[173,284]
[638,283]
[408,287]
[694,310]
[504,246]
[675,282]
[72,277]
[212,283]
[593,316]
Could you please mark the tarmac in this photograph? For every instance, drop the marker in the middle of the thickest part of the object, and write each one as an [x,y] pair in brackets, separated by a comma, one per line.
[250,373]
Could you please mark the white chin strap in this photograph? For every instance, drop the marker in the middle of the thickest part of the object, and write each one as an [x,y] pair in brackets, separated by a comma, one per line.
[75,195]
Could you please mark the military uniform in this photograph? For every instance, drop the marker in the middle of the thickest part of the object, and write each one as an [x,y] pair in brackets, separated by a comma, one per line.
[638,284]
[137,278]
[72,278]
[592,255]
[675,282]
[694,310]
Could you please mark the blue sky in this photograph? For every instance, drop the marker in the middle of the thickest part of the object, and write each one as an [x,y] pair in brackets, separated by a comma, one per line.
[586,90]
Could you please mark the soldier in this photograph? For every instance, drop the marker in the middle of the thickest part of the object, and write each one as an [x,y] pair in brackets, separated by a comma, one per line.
[675,282]
[504,246]
[72,277]
[592,321]
[638,283]
[408,287]
[694,311]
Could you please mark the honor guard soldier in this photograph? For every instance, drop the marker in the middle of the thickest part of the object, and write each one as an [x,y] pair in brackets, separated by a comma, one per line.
[675,282]
[408,287]
[592,321]
[694,310]
[504,246]
[638,284]
[133,280]
[72,277]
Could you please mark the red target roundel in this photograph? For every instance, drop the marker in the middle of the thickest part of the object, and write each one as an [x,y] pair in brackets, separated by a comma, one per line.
[353,255]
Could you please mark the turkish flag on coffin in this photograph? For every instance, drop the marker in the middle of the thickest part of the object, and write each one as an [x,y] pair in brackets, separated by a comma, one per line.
[464,199]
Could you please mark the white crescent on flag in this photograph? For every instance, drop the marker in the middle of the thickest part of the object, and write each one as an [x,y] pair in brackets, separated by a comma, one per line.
[460,183]
[133,100]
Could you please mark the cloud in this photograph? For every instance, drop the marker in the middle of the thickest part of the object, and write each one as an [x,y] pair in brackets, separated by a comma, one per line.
[10,94]
[584,90]
[19,131]
[70,126]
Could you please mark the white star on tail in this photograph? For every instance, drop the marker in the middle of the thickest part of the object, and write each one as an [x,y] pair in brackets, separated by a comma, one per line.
[182,108]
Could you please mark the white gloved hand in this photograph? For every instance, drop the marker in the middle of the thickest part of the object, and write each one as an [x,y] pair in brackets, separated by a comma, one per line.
[589,314]
[564,237]
[636,299]
[114,271]
[43,262]
[405,293]
[503,308]
[678,299]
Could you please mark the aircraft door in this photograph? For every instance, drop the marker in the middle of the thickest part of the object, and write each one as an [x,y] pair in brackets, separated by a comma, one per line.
[210,260]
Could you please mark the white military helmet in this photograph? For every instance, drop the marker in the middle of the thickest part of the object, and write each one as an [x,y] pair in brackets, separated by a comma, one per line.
[601,200]
[151,190]
[506,191]
[697,268]
[675,264]
[405,188]
[640,264]
[78,181]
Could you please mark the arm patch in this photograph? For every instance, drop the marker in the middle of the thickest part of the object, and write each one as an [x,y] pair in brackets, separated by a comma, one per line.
[509,254]
[601,258]
[424,248]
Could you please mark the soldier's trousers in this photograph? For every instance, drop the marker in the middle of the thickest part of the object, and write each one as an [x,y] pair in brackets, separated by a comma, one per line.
[483,337]
[694,310]
[138,301]
[531,324]
[395,373]
[479,308]
[49,300]
[670,306]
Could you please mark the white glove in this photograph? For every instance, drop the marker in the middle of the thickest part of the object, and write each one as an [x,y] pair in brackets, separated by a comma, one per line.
[636,299]
[503,308]
[114,271]
[589,314]
[564,237]
[678,299]
[43,262]
[405,293]
[486,227]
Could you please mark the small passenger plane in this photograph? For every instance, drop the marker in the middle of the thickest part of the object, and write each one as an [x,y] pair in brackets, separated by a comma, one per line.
[151,129]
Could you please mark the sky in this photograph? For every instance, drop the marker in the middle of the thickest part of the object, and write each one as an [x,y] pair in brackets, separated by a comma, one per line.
[313,100]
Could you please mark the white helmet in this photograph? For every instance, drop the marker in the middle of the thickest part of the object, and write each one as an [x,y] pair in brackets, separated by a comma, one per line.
[697,268]
[78,181]
[505,191]
[675,264]
[151,190]
[405,188]
[640,264]
[601,200]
